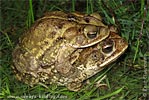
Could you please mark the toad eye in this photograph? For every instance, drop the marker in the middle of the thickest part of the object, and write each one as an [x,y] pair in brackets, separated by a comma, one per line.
[92,35]
[108,46]
[91,31]
[107,49]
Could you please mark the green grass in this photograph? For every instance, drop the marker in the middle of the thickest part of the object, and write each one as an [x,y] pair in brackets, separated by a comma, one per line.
[126,78]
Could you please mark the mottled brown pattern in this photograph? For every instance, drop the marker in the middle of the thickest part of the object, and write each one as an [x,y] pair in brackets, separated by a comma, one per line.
[58,49]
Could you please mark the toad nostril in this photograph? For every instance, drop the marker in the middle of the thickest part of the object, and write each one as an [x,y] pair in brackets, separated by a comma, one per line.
[87,19]
[122,41]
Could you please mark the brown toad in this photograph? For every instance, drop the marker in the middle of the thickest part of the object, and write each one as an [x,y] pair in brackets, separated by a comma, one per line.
[62,48]
[54,37]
